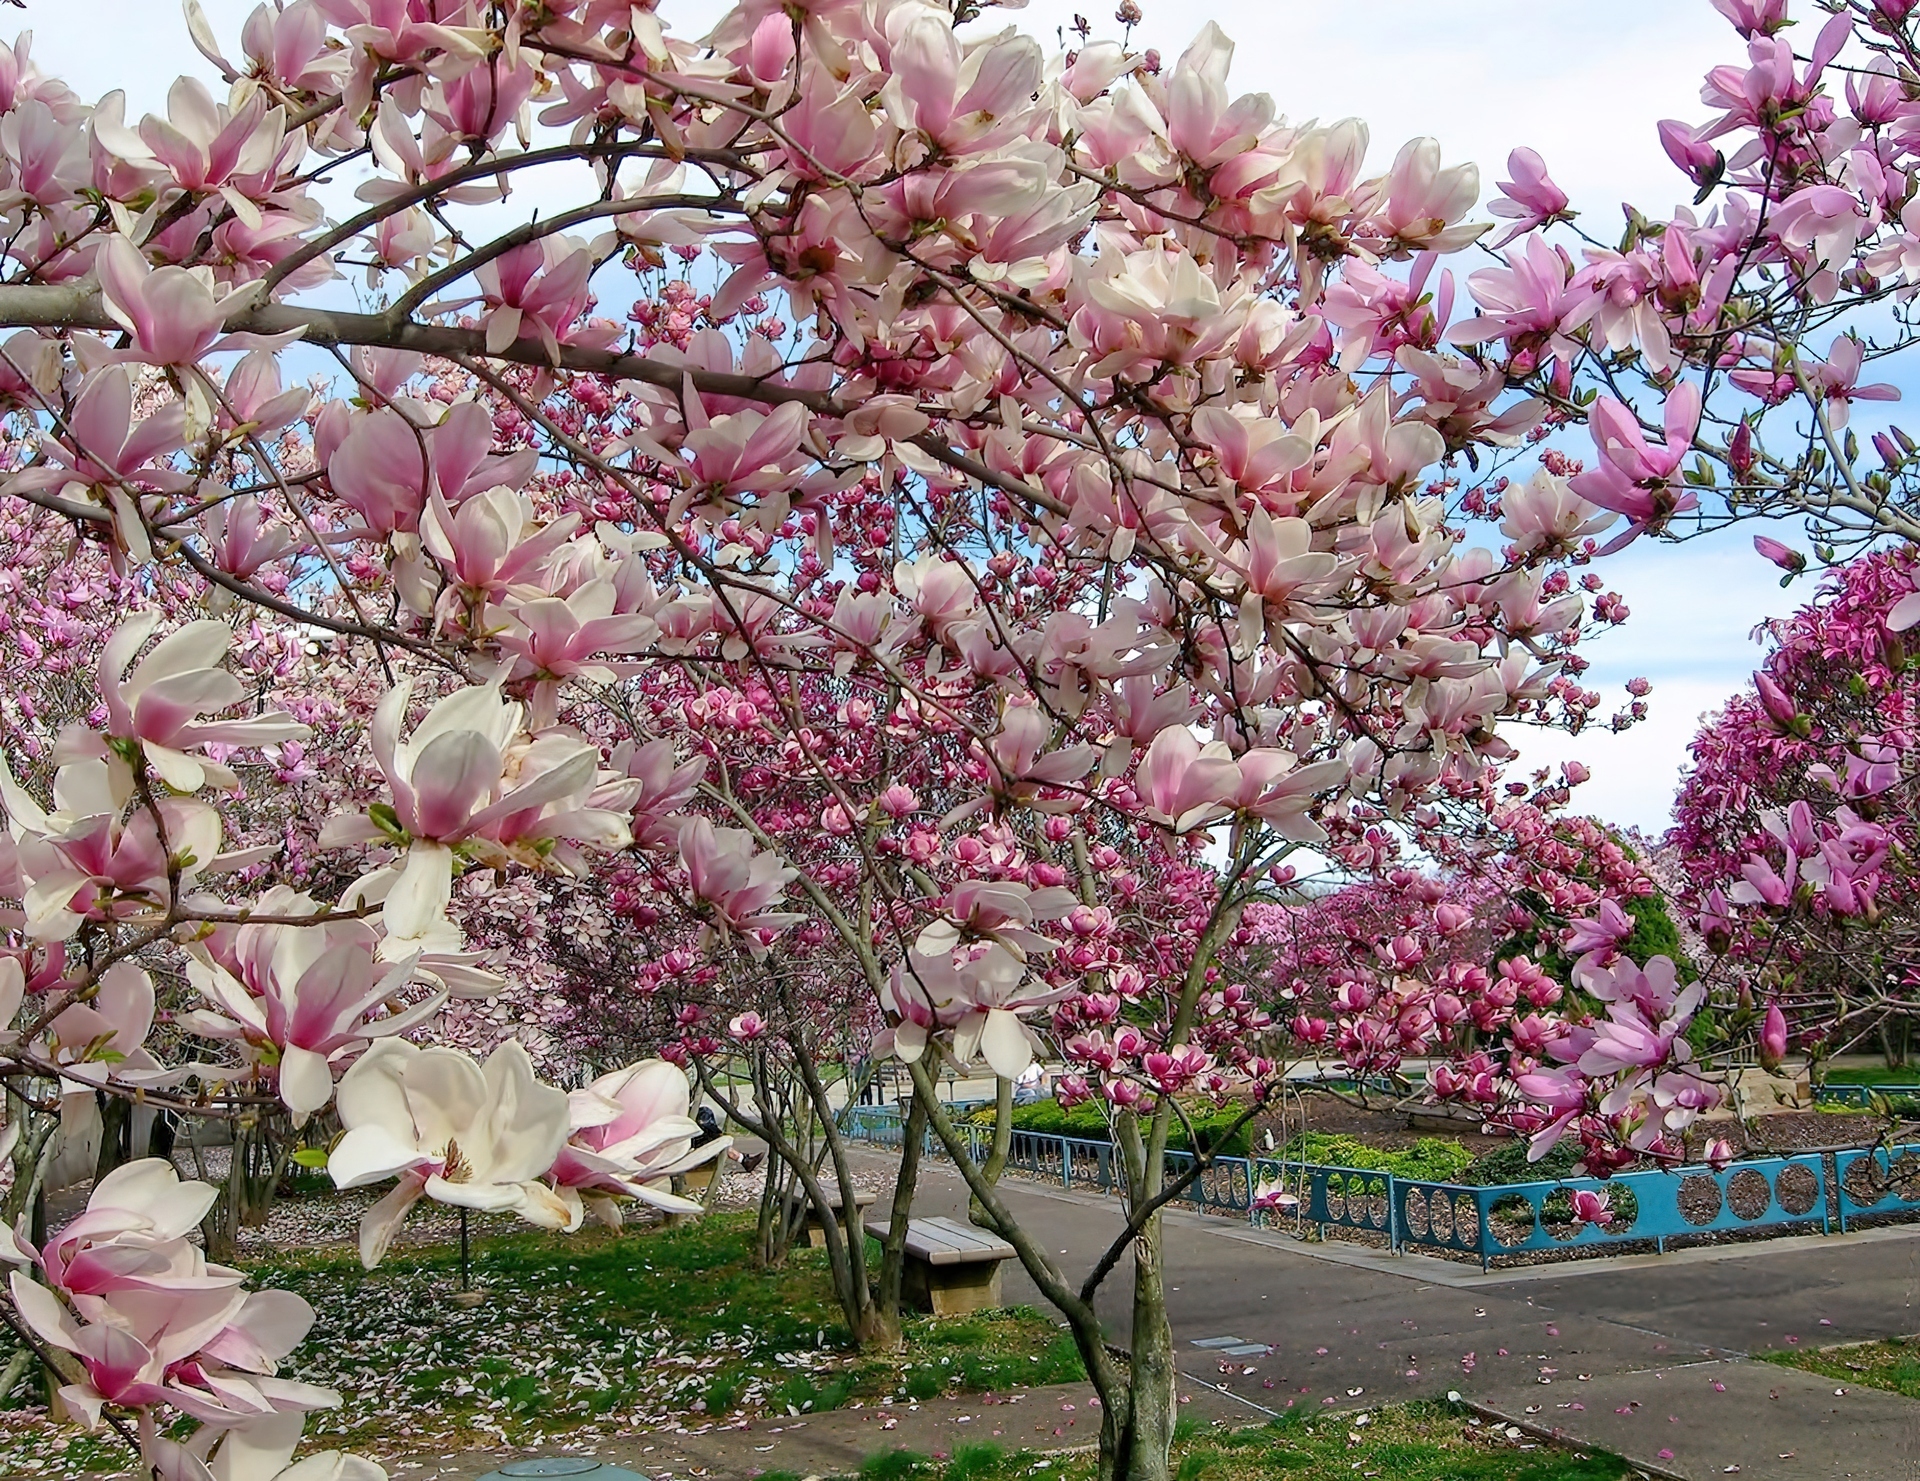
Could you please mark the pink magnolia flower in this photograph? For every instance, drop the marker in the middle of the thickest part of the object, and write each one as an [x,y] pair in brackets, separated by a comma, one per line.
[738,880]
[171,312]
[205,146]
[1773,1037]
[469,777]
[1532,200]
[1608,932]
[491,541]
[259,1450]
[313,995]
[1000,911]
[1635,477]
[1424,201]
[1186,784]
[1701,162]
[1754,17]
[1530,303]
[160,704]
[1591,1207]
[451,1130]
[90,858]
[537,289]
[149,1320]
[747,1027]
[1544,513]
[110,454]
[978,994]
[631,1132]
[1835,382]
[242,539]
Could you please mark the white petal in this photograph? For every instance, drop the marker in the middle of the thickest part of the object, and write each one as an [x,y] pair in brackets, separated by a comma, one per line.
[1006,1045]
[379,1224]
[418,901]
[306,1083]
[368,1154]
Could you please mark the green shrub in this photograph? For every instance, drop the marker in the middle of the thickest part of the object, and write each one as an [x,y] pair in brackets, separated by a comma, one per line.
[1431,1159]
[1507,1163]
[1088,1122]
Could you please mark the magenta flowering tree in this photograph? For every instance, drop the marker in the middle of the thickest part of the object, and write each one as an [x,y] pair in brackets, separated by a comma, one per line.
[1795,823]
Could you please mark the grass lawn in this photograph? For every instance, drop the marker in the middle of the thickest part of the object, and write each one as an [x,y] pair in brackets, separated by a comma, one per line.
[1893,1365]
[630,1331]
[1873,1075]
[1404,1442]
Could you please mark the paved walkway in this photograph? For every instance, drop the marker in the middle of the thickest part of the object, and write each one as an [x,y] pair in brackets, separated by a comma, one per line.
[1062,1417]
[1645,1355]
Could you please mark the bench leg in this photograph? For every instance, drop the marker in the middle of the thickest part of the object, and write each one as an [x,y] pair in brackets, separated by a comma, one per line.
[957,1290]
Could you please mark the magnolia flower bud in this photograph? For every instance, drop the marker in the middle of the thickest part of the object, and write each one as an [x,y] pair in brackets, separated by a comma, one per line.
[1773,1038]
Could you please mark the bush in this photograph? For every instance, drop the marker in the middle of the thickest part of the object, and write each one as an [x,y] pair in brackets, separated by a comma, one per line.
[1508,1163]
[1431,1159]
[1088,1122]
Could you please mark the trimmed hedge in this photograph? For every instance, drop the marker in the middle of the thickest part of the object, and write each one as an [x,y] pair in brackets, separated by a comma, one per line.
[1432,1159]
[1088,1122]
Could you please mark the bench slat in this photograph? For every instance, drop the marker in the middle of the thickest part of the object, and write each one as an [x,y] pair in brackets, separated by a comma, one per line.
[942,1241]
[860,1199]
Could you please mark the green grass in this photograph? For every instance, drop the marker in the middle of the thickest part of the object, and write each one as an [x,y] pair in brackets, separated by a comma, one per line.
[1874,1075]
[1403,1442]
[632,1330]
[1893,1365]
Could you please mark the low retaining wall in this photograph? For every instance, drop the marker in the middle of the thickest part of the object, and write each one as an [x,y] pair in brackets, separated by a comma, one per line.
[1774,1193]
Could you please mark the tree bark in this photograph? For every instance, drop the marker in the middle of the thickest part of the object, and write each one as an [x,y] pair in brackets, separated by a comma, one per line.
[1002,1145]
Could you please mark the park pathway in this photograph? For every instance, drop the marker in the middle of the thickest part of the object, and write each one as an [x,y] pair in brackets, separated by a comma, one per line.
[1645,1355]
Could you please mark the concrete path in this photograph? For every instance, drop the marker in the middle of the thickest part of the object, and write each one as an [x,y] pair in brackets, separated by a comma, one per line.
[1645,1355]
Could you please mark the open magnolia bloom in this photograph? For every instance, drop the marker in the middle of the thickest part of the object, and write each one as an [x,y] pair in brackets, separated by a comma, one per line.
[260,1451]
[979,997]
[631,1132]
[451,1130]
[471,778]
[149,1320]
[91,858]
[299,1000]
[159,705]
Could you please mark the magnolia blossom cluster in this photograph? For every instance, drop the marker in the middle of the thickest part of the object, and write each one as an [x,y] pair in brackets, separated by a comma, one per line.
[1726,340]
[492,1137]
[148,1321]
[915,541]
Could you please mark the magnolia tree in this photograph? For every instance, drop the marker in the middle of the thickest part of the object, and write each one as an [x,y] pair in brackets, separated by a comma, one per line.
[911,522]
[1794,827]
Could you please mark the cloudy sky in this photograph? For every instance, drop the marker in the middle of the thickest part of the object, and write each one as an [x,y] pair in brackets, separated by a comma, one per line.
[1582,83]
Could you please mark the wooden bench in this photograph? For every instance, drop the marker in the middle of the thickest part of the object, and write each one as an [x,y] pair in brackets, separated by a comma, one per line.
[952,1268]
[815,1236]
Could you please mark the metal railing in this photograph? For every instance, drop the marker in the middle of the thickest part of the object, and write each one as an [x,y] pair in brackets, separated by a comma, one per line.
[1488,1222]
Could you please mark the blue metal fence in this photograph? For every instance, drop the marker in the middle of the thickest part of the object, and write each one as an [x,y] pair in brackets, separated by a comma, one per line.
[1510,1219]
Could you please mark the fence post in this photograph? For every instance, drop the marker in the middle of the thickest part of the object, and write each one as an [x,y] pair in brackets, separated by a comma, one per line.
[1393,1215]
[1066,1165]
